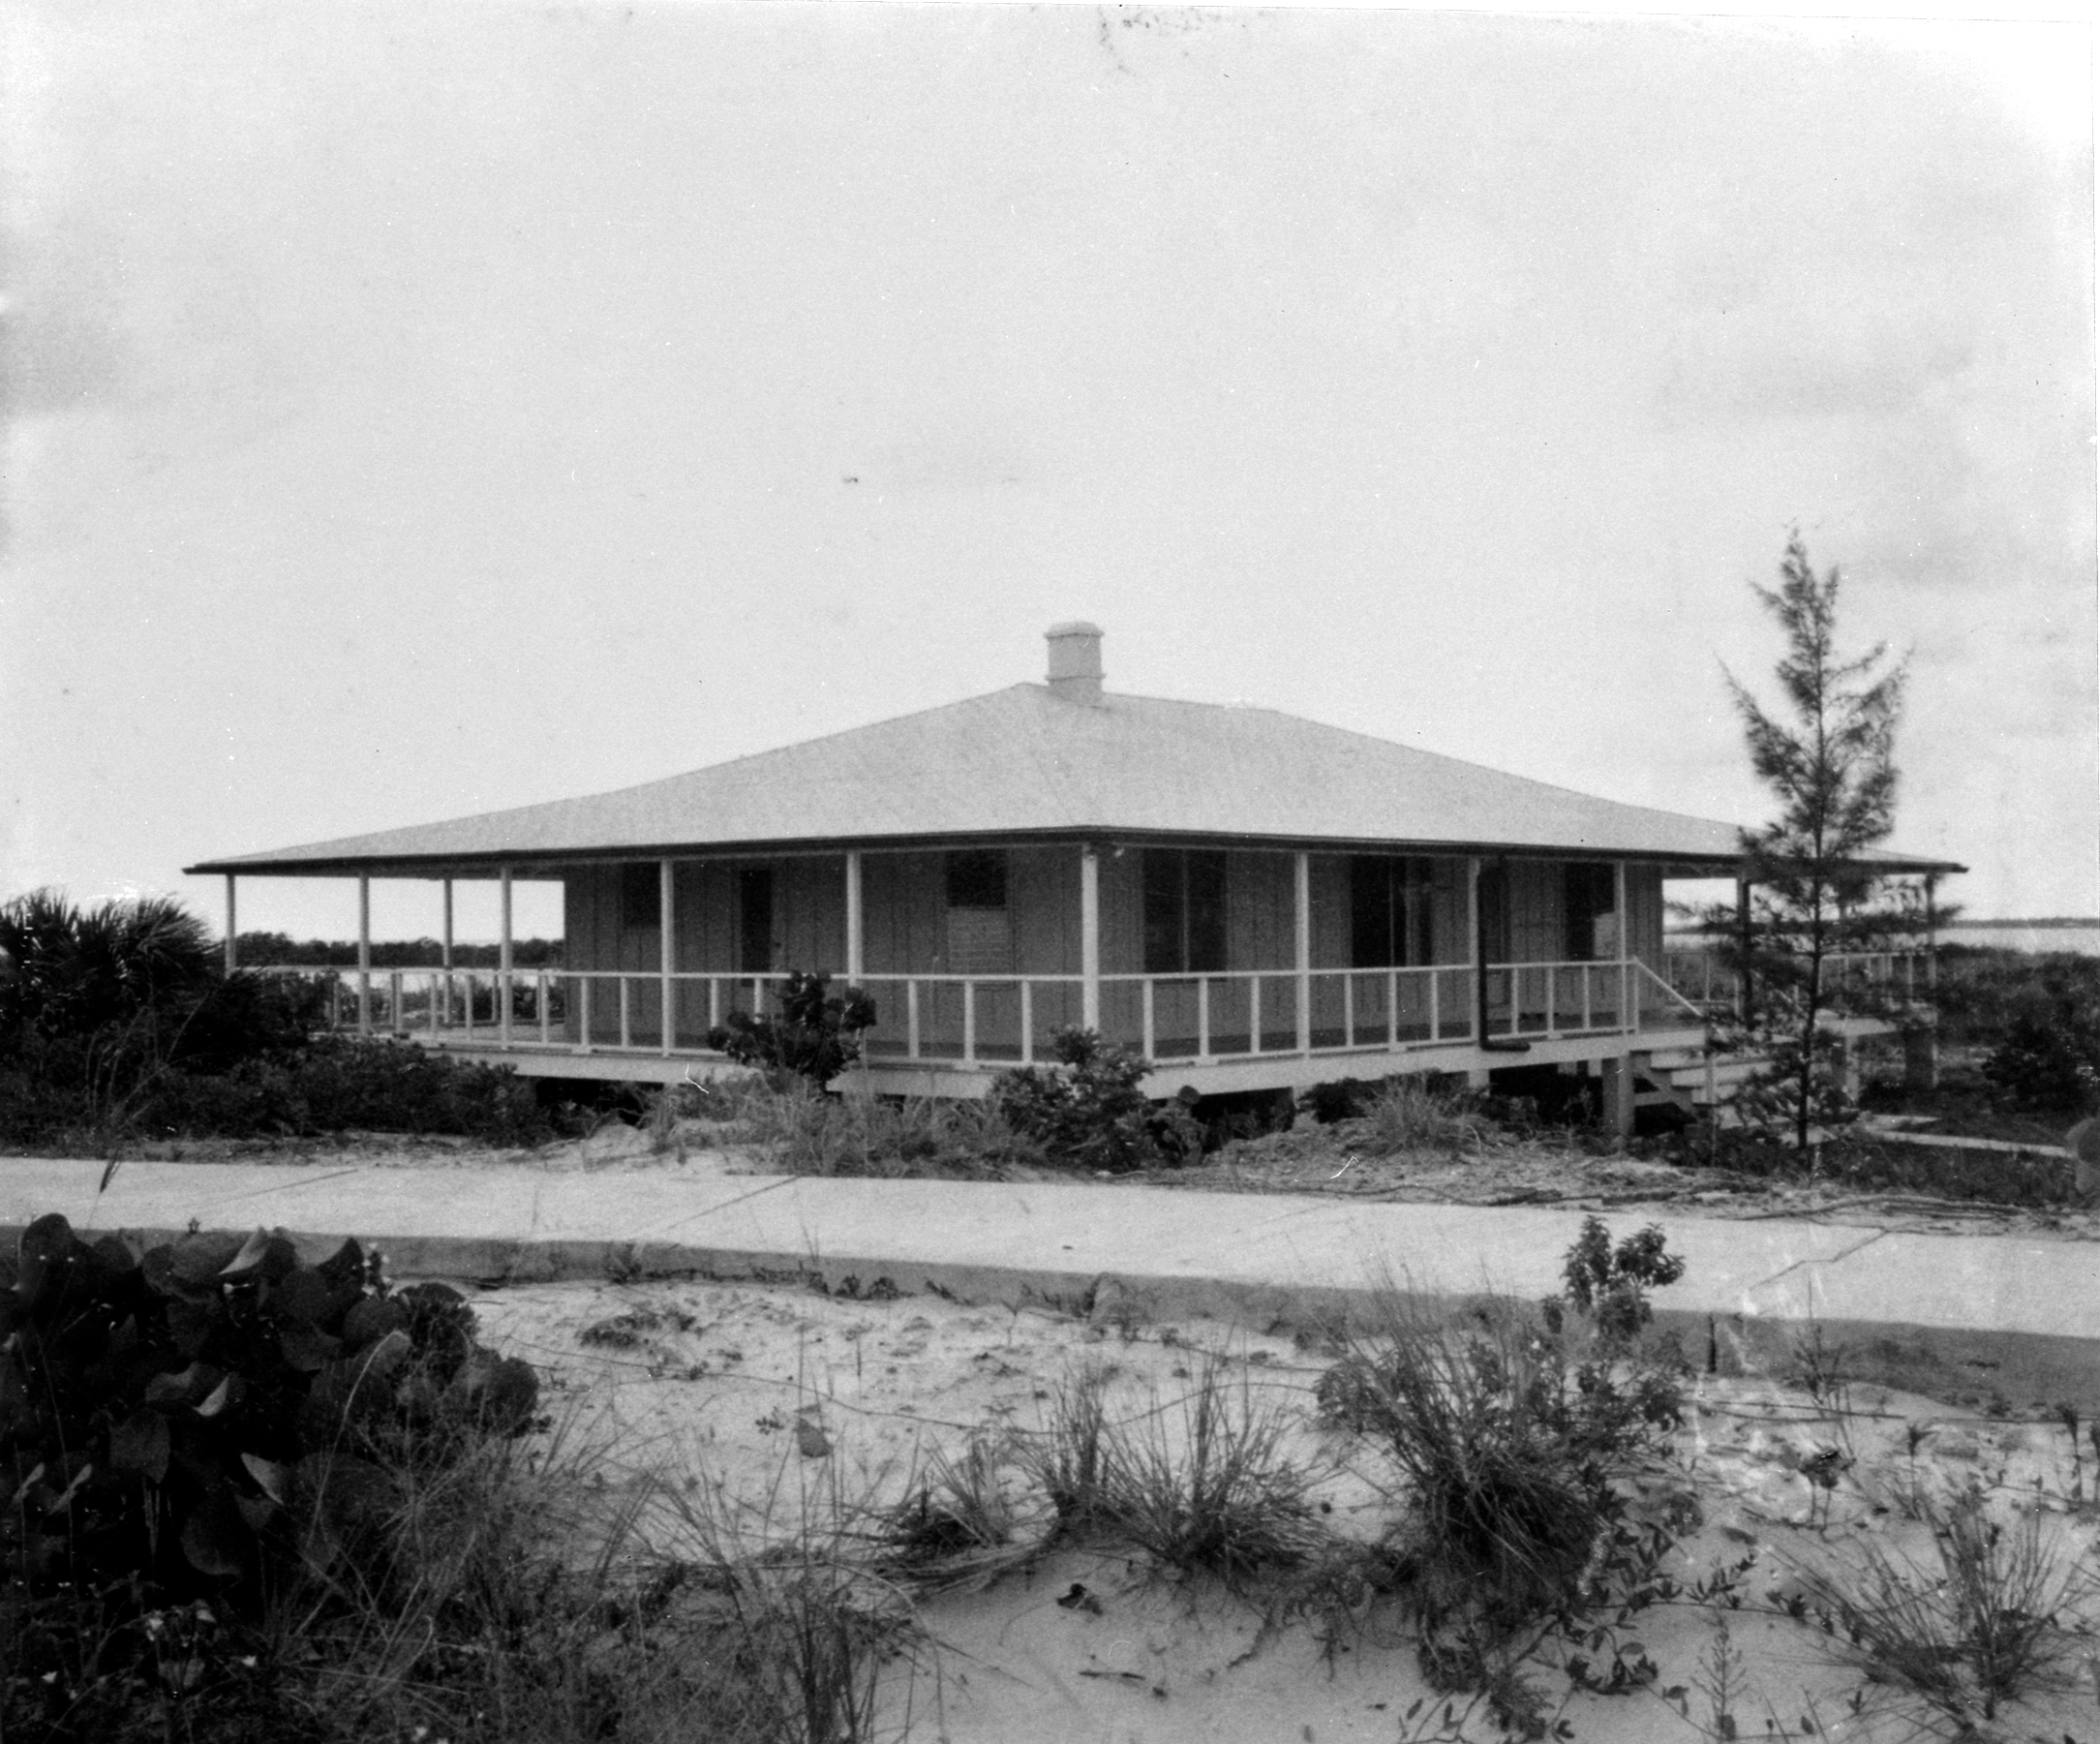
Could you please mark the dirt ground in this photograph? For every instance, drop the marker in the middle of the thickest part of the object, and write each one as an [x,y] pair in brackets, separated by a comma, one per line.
[777,1399]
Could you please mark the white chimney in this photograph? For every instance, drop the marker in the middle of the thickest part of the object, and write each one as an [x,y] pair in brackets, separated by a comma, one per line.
[1074,661]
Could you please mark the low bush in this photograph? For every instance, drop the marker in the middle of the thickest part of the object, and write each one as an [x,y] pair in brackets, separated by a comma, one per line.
[1336,1099]
[1609,1285]
[343,1084]
[1088,1110]
[815,1036]
[192,1432]
[1518,1438]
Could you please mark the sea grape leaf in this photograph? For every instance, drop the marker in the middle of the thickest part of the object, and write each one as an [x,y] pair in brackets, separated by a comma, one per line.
[139,1444]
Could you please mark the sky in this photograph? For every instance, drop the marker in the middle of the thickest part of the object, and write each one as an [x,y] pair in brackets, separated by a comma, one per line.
[415,412]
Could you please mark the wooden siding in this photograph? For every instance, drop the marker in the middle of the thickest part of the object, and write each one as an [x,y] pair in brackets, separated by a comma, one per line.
[1122,912]
[1538,912]
[1644,897]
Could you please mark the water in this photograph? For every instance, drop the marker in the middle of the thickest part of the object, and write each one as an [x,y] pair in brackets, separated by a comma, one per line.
[2084,940]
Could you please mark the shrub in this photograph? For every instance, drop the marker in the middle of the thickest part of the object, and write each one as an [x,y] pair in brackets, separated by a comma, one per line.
[1336,1099]
[343,1083]
[1089,1111]
[1610,1285]
[1515,1437]
[815,1037]
[187,1415]
[2049,1057]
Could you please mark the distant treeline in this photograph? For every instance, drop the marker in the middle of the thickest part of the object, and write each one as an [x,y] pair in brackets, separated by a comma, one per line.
[2057,921]
[261,950]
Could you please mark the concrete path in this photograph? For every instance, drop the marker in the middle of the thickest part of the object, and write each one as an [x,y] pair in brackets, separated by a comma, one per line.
[2013,1314]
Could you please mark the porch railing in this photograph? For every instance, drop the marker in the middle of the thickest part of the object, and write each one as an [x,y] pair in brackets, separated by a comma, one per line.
[1851,979]
[1545,1001]
[1009,1019]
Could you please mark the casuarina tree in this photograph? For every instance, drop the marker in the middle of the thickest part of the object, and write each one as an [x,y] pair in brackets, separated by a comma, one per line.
[1828,755]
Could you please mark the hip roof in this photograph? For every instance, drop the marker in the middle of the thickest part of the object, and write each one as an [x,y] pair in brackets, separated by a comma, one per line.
[1028,762]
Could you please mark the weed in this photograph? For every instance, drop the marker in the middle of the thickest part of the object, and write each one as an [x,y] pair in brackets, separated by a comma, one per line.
[805,1132]
[957,1522]
[1817,1367]
[1963,1637]
[1210,1486]
[799,1618]
[1067,1457]
[1412,1113]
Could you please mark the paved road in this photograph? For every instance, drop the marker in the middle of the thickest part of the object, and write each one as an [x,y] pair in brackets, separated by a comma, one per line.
[2015,1313]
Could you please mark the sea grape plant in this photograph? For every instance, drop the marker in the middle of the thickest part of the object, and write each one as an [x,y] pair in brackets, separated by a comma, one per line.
[185,1416]
[815,1036]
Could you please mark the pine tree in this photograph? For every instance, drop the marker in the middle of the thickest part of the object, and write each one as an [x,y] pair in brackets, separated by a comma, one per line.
[1828,755]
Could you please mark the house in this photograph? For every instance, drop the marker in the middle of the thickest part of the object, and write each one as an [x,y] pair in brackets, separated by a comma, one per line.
[1254,900]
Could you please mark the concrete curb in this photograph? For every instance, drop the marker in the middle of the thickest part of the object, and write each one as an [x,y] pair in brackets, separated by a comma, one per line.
[1968,1317]
[1982,1368]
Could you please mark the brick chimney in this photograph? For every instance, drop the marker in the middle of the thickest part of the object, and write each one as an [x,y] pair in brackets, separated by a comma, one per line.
[1074,661]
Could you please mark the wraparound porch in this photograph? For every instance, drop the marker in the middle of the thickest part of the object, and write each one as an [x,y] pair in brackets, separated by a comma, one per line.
[950,1035]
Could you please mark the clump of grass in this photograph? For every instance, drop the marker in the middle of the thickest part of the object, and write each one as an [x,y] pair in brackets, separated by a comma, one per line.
[803,1621]
[958,1521]
[1413,1113]
[1209,1486]
[1518,1438]
[1963,1637]
[808,1132]
[1504,1507]
[1068,1457]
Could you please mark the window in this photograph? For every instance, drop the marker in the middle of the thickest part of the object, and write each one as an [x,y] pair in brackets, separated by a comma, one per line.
[977,878]
[641,895]
[1390,912]
[754,920]
[980,934]
[1590,894]
[1184,911]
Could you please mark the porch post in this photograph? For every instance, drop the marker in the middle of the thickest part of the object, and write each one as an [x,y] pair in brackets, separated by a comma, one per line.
[502,964]
[444,957]
[857,966]
[1480,957]
[233,950]
[1301,944]
[1921,1040]
[855,923]
[1746,998]
[1624,926]
[1932,934]
[1618,1088]
[667,947]
[364,953]
[1090,936]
